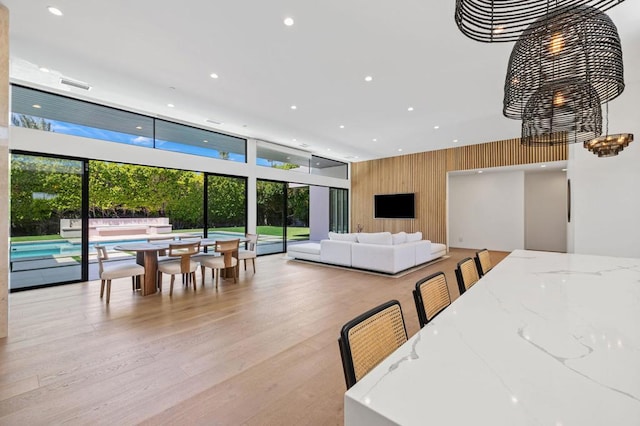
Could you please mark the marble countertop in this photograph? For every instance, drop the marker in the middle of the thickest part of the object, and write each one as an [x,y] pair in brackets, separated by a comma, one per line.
[543,339]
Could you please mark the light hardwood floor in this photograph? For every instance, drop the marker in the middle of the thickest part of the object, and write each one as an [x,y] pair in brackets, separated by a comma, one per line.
[260,352]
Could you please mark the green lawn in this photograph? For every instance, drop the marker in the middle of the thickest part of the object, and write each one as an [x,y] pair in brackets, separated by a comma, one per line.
[293,233]
[36,238]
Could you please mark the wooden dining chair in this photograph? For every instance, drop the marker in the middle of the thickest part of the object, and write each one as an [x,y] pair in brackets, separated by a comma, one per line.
[431,296]
[483,262]
[466,274]
[183,264]
[227,249]
[369,338]
[112,272]
[251,252]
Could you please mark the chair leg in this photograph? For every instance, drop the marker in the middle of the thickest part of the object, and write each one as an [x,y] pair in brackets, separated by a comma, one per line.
[173,278]
[101,288]
[203,275]
[159,279]
[133,283]
[217,274]
[245,264]
[108,290]
[236,271]
[193,280]
[253,261]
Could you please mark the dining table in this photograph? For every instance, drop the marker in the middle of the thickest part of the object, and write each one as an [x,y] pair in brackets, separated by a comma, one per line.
[542,339]
[147,255]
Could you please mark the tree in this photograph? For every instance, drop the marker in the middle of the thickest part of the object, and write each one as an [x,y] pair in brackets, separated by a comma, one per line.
[30,122]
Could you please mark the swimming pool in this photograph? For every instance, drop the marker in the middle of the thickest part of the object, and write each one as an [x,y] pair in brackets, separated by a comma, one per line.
[58,248]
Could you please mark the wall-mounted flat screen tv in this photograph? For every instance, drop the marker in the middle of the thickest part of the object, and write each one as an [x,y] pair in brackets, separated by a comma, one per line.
[394,206]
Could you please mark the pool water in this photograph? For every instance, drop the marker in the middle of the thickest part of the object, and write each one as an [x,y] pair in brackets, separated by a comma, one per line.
[31,250]
[40,249]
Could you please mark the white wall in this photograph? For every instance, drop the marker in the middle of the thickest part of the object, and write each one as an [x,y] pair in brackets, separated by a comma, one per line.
[318,212]
[545,217]
[486,210]
[605,192]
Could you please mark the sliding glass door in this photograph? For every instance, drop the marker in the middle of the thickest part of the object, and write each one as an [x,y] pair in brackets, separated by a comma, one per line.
[226,201]
[46,220]
[271,216]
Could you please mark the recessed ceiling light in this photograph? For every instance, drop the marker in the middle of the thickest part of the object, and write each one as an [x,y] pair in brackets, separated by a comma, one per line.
[288,21]
[368,78]
[213,75]
[170,105]
[205,141]
[328,149]
[54,11]
[399,149]
[374,139]
[342,126]
[410,109]
[543,165]
[479,171]
[357,156]
[294,107]
[44,69]
[288,158]
[317,164]
[139,127]
[294,140]
[36,106]
[564,170]
[436,127]
[455,141]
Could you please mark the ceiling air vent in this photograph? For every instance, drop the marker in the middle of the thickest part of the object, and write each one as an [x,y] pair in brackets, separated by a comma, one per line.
[74,83]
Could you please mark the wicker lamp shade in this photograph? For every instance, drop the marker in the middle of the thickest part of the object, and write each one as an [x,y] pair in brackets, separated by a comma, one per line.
[505,20]
[565,111]
[581,44]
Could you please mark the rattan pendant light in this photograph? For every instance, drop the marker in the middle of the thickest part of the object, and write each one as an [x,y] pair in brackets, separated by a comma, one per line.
[504,20]
[565,111]
[581,45]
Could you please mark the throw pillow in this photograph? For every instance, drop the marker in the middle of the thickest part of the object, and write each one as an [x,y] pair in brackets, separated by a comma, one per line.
[399,238]
[416,236]
[343,237]
[381,238]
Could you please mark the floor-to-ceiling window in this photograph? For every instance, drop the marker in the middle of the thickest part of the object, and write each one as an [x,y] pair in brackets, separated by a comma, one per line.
[271,216]
[122,202]
[46,220]
[338,210]
[297,212]
[226,205]
[129,202]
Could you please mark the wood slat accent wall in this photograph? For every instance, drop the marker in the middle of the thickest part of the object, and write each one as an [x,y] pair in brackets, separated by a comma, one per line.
[425,174]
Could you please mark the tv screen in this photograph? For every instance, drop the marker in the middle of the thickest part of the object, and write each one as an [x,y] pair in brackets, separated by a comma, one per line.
[394,206]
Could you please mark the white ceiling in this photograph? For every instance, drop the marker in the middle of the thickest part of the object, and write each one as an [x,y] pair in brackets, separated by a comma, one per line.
[144,54]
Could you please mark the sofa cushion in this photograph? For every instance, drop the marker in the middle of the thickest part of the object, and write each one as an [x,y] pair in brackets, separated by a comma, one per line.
[399,238]
[312,248]
[416,236]
[336,252]
[383,258]
[343,237]
[380,238]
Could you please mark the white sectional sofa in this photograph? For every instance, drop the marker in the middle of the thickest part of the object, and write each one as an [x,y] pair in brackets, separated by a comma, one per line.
[380,251]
